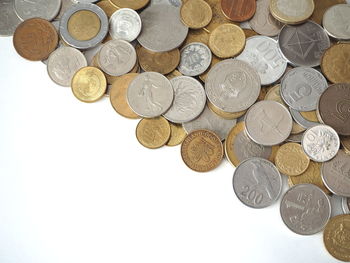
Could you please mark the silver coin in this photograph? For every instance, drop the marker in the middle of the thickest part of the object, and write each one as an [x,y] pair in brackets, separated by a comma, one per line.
[195,59]
[162,28]
[262,54]
[208,120]
[150,94]
[46,9]
[304,44]
[189,100]
[268,123]
[117,57]
[175,3]
[91,53]
[8,18]
[295,137]
[346,205]
[80,44]
[305,209]
[336,174]
[125,24]
[301,120]
[336,21]
[66,4]
[63,63]
[257,183]
[321,143]
[232,85]
[302,87]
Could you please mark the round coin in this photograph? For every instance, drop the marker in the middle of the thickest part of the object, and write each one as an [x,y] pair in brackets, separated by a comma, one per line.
[346,205]
[299,119]
[125,24]
[8,19]
[196,14]
[153,133]
[321,7]
[336,21]
[134,4]
[238,10]
[292,11]
[177,134]
[45,9]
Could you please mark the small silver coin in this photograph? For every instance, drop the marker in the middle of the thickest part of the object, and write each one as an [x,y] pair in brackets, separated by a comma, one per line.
[268,123]
[305,209]
[66,4]
[195,59]
[208,120]
[262,54]
[63,63]
[117,57]
[232,85]
[175,3]
[257,183]
[336,21]
[303,45]
[321,143]
[302,87]
[162,28]
[46,9]
[125,24]
[150,94]
[301,120]
[346,205]
[8,18]
[336,174]
[189,100]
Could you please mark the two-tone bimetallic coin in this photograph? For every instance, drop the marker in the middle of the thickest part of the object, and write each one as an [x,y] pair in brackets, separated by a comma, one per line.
[299,118]
[8,19]
[346,205]
[125,24]
[45,9]
[336,21]
[292,11]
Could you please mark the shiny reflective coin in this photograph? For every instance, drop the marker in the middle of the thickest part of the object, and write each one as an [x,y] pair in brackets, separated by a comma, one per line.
[153,133]
[177,134]
[336,21]
[8,19]
[292,43]
[238,10]
[133,4]
[150,94]
[196,14]
[268,123]
[45,9]
[321,143]
[262,54]
[162,29]
[346,205]
[301,120]
[189,100]
[125,24]
[292,11]
[305,209]
[175,3]
[257,182]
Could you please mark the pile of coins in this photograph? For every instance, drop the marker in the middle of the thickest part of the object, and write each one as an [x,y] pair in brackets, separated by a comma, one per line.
[266,83]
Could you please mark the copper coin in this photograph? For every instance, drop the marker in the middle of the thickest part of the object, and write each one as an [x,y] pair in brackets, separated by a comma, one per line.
[35,39]
[238,10]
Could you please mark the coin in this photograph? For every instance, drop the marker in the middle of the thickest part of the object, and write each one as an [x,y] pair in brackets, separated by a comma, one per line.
[334,108]
[303,122]
[309,115]
[106,6]
[336,237]
[35,39]
[257,183]
[66,4]
[346,205]
[321,143]
[238,10]
[189,100]
[345,141]
[45,9]
[291,41]
[223,114]
[214,61]
[162,29]
[268,123]
[295,138]
[321,7]
[336,21]
[218,17]
[227,40]
[173,74]
[150,94]
[134,4]
[89,84]
[198,35]
[305,209]
[125,24]
[292,11]
[177,134]
[8,19]
[202,150]
[153,133]
[196,13]
[176,3]
[118,93]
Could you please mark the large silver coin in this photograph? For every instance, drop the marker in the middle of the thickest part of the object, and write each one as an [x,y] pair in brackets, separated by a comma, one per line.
[336,174]
[195,59]
[257,182]
[175,3]
[262,54]
[150,94]
[125,24]
[232,85]
[302,87]
[304,44]
[208,120]
[46,9]
[8,18]
[162,29]
[63,63]
[321,143]
[346,205]
[268,123]
[189,100]
[336,21]
[66,4]
[301,120]
[305,209]
[117,57]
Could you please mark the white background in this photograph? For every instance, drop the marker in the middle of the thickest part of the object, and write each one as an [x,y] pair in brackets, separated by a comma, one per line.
[75,186]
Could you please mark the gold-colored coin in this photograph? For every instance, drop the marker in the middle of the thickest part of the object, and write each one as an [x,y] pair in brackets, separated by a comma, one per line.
[107,7]
[296,128]
[89,84]
[153,133]
[227,40]
[336,237]
[214,61]
[117,96]
[173,74]
[320,8]
[196,35]
[335,63]
[345,141]
[218,16]
[292,11]
[223,114]
[162,62]
[196,13]
[202,150]
[309,115]
[177,134]
[133,4]
[249,33]
[84,25]
[291,159]
[312,175]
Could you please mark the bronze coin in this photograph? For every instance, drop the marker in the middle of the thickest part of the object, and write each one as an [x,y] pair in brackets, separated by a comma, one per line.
[35,39]
[238,10]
